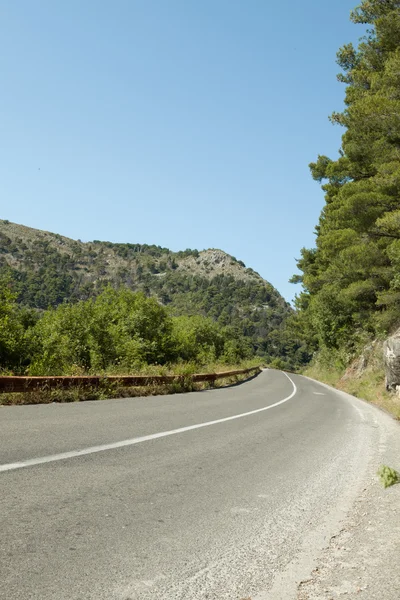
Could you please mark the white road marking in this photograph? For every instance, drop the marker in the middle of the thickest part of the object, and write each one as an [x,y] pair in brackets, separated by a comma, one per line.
[319,394]
[31,462]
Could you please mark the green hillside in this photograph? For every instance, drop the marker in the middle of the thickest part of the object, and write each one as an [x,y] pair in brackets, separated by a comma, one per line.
[48,269]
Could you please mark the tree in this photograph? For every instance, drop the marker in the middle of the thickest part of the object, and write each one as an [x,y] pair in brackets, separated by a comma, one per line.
[197,339]
[12,346]
[350,279]
[117,328]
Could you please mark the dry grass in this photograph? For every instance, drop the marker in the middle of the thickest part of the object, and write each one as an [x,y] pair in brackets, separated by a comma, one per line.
[184,368]
[371,387]
[364,378]
[330,375]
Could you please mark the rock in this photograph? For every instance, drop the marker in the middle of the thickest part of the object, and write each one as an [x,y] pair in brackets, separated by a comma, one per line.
[391,357]
[359,365]
[362,365]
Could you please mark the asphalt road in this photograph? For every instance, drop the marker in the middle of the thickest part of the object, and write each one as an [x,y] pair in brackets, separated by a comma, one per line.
[213,512]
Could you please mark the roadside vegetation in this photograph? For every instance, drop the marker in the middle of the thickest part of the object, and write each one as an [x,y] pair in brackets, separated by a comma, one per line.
[363,377]
[388,476]
[117,332]
[110,389]
[351,283]
[98,308]
[49,270]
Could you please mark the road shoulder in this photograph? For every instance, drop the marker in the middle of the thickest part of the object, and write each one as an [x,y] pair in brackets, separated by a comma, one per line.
[355,551]
[362,558]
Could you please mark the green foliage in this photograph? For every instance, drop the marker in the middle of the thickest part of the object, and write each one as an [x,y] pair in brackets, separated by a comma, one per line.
[388,476]
[252,308]
[118,330]
[278,363]
[197,339]
[350,280]
[12,331]
[49,271]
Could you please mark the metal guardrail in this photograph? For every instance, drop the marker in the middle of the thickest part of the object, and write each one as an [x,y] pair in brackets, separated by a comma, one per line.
[11,384]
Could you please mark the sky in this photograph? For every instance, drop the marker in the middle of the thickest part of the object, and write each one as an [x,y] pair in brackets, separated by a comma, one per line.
[181,123]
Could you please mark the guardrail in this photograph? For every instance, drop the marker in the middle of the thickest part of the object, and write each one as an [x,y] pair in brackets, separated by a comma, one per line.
[11,384]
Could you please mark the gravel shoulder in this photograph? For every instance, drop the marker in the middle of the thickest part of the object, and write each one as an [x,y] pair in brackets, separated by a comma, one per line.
[354,552]
[362,559]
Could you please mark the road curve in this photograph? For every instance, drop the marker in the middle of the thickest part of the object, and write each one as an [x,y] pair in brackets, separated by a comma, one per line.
[248,481]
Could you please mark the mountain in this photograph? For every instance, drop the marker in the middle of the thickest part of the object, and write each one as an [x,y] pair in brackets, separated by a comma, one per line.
[49,269]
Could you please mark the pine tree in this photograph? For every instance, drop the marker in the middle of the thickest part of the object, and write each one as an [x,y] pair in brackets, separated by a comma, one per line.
[351,279]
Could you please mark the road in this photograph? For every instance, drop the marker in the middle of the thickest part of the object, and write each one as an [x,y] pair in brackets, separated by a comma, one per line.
[217,509]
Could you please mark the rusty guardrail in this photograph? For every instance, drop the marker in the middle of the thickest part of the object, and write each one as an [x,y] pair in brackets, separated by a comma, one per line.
[23,384]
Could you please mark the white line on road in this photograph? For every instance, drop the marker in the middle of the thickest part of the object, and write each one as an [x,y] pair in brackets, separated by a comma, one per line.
[31,462]
[319,394]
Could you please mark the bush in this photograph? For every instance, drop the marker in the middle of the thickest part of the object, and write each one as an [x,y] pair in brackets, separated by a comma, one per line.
[388,476]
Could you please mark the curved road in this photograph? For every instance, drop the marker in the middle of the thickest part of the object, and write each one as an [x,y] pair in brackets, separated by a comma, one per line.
[220,508]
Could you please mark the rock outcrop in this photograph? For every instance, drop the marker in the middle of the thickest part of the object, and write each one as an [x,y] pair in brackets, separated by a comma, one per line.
[391,357]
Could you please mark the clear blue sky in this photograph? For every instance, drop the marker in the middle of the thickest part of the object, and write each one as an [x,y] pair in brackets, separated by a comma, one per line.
[177,122]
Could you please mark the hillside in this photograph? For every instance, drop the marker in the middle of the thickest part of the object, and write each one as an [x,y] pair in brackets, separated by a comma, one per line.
[49,269]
